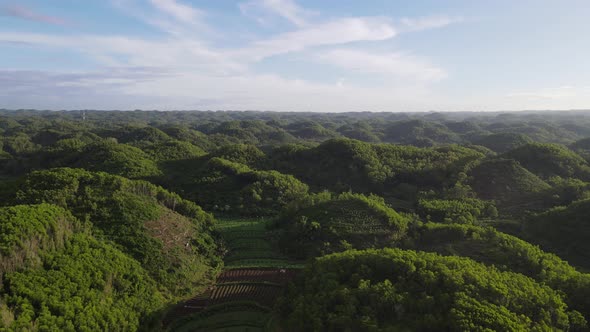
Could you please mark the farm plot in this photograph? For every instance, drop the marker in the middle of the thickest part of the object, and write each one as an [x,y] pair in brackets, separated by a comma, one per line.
[249,245]
[236,316]
[261,293]
[245,293]
[257,275]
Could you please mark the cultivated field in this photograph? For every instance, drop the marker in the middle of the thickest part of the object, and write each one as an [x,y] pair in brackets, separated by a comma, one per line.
[245,293]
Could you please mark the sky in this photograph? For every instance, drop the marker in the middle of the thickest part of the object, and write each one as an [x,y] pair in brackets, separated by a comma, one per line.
[295,55]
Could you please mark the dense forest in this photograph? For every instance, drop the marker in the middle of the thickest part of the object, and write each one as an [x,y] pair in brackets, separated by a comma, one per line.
[267,221]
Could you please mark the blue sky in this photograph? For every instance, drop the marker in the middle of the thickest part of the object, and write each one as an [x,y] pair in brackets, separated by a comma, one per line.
[289,55]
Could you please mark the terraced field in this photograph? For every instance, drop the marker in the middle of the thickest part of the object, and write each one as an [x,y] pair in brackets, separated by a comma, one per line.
[245,293]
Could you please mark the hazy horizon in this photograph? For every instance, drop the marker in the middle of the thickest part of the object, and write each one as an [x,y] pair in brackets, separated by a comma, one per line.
[295,56]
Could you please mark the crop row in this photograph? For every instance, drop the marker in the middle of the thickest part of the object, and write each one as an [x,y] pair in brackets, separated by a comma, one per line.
[264,263]
[260,293]
[257,292]
[257,275]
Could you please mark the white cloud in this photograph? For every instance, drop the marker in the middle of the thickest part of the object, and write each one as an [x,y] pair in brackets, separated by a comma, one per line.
[192,90]
[169,16]
[287,9]
[178,10]
[271,92]
[26,13]
[336,32]
[186,72]
[398,65]
[428,22]
[170,53]
[562,92]
[181,51]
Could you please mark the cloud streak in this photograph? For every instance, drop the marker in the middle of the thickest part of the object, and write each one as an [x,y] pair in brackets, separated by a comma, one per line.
[151,88]
[395,65]
[428,22]
[172,53]
[169,16]
[25,13]
[287,9]
[180,69]
[181,12]
[562,92]
[336,32]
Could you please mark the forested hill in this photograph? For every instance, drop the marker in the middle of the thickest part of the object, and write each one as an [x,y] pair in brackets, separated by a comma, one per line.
[119,221]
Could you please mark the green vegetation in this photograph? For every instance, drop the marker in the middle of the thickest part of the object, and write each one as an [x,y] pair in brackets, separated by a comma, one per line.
[185,134]
[508,253]
[173,150]
[392,289]
[325,224]
[120,159]
[138,135]
[233,188]
[583,144]
[310,130]
[356,221]
[582,148]
[503,142]
[419,132]
[57,277]
[547,160]
[26,231]
[236,316]
[250,244]
[504,180]
[169,236]
[465,211]
[563,230]
[240,153]
[244,294]
[343,165]
[87,285]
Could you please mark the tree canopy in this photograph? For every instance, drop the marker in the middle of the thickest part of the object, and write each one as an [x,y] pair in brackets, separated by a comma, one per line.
[392,289]
[437,221]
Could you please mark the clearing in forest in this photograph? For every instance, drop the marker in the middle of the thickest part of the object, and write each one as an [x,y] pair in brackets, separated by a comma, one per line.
[245,293]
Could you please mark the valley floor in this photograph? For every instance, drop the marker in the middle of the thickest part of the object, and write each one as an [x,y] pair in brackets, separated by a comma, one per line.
[245,293]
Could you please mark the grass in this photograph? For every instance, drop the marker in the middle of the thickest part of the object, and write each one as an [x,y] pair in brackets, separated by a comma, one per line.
[240,319]
[229,223]
[249,245]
